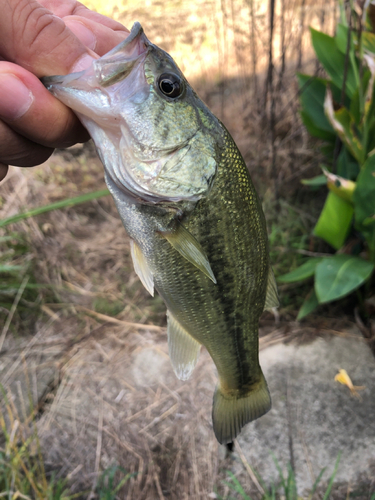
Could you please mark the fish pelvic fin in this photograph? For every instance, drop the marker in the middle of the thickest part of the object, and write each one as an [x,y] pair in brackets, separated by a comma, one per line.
[185,243]
[231,412]
[183,348]
[141,267]
[272,296]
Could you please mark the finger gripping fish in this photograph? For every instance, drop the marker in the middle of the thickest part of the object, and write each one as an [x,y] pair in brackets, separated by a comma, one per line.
[184,194]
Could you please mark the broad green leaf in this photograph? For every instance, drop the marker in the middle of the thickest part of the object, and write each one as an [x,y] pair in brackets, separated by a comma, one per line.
[344,188]
[313,91]
[302,272]
[346,165]
[364,202]
[356,106]
[328,149]
[319,180]
[333,61]
[344,124]
[369,221]
[308,306]
[314,130]
[334,221]
[364,194]
[368,41]
[341,38]
[339,275]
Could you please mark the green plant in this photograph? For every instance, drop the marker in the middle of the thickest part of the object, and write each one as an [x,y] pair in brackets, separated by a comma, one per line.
[107,487]
[340,110]
[67,202]
[22,470]
[286,488]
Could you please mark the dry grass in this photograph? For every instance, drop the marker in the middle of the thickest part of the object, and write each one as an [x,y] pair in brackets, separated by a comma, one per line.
[102,390]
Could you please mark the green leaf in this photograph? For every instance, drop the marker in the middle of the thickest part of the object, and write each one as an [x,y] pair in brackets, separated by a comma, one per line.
[364,193]
[319,180]
[364,203]
[341,38]
[368,41]
[345,126]
[313,91]
[340,275]
[314,130]
[334,221]
[333,61]
[302,272]
[308,306]
[346,165]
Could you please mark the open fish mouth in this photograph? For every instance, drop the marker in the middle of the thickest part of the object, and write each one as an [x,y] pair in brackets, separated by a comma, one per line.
[113,66]
[119,62]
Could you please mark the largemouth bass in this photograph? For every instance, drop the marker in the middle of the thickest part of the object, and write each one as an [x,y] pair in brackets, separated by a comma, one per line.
[197,229]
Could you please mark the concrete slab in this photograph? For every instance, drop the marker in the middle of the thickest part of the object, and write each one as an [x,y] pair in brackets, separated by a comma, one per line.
[314,418]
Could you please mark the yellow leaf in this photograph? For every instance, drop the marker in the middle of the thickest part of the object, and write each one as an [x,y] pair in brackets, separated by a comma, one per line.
[343,378]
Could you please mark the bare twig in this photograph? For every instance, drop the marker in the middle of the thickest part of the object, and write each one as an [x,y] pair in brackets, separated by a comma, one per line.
[249,470]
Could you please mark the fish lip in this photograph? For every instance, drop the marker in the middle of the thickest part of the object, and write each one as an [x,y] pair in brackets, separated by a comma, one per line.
[134,41]
[135,32]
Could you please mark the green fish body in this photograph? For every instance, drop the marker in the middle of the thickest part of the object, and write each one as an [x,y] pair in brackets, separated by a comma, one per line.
[197,229]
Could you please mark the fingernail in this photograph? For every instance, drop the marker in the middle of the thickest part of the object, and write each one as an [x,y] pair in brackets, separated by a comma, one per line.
[85,35]
[83,63]
[15,97]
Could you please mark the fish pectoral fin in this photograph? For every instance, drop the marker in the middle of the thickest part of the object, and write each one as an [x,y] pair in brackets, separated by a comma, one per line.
[141,267]
[231,412]
[185,243]
[272,296]
[183,349]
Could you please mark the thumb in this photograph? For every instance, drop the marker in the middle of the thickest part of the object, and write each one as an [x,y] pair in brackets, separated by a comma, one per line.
[34,38]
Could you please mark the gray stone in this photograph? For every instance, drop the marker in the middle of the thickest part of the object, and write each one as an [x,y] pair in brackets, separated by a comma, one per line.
[314,415]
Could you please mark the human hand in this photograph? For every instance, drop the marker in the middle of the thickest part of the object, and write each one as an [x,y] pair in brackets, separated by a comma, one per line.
[48,37]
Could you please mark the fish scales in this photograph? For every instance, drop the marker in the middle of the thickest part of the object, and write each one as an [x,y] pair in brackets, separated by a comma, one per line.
[196,223]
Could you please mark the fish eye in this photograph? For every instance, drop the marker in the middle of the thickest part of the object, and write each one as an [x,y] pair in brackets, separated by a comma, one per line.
[170,85]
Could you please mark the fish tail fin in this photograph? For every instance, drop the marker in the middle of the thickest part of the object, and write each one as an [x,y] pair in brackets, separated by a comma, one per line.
[231,412]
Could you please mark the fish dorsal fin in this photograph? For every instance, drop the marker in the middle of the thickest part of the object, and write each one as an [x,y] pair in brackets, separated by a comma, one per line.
[272,297]
[141,267]
[183,349]
[185,243]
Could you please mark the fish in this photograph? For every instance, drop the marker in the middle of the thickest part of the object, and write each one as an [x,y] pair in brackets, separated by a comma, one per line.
[197,229]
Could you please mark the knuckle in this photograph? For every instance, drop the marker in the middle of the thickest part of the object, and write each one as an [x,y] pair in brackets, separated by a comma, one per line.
[41,29]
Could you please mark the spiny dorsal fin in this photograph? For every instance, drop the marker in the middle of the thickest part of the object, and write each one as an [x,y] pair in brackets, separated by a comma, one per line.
[272,297]
[141,267]
[185,243]
[183,349]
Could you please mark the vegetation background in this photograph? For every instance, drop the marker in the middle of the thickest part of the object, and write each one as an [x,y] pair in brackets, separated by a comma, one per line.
[82,411]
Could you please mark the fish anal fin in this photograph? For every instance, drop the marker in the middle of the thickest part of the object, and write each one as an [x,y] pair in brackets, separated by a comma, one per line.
[272,297]
[185,243]
[141,267]
[183,348]
[231,412]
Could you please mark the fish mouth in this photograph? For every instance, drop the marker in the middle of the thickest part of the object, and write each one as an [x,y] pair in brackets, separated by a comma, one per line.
[119,62]
[114,66]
